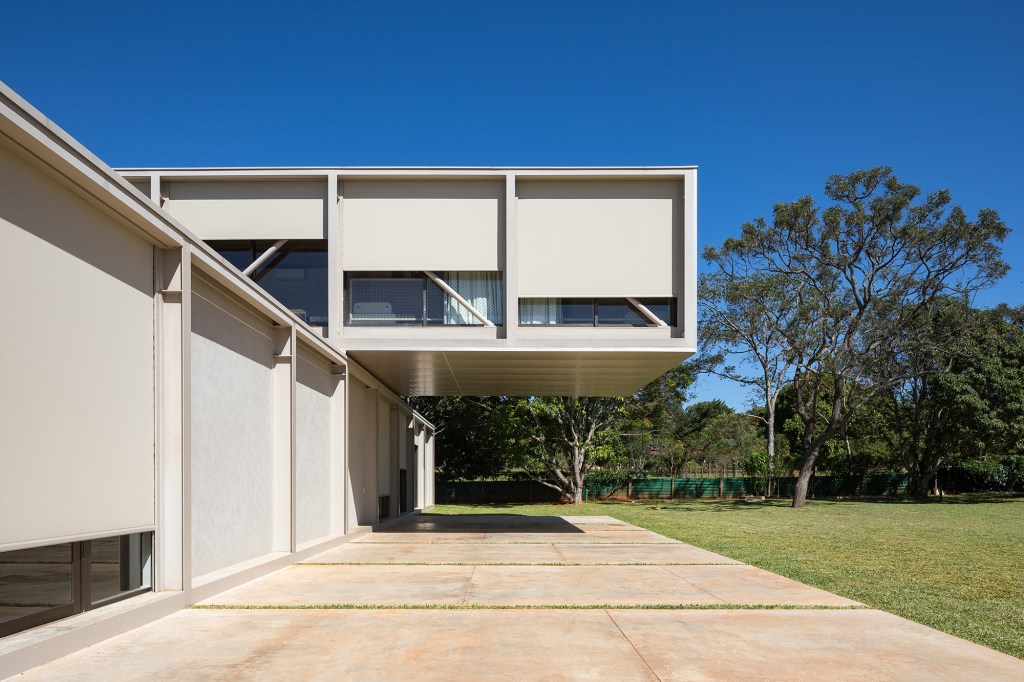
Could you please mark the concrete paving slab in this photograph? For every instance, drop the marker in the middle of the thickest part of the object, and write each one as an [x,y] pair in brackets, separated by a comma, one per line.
[638,536]
[753,586]
[678,553]
[862,645]
[361,645]
[302,585]
[447,553]
[582,586]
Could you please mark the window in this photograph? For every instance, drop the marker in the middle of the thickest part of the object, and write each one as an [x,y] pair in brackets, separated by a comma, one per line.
[296,275]
[594,312]
[389,299]
[44,584]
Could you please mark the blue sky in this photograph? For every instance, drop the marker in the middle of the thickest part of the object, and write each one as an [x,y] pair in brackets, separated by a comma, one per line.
[767,98]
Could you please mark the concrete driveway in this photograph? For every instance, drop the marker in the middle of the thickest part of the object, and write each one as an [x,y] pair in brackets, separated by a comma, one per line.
[513,597]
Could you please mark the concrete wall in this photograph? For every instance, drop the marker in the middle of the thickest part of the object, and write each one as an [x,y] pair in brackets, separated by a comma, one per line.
[314,391]
[593,238]
[248,210]
[77,398]
[232,431]
[422,224]
[148,387]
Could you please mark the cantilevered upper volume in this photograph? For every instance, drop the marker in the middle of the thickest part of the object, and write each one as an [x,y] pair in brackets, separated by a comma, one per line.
[477,281]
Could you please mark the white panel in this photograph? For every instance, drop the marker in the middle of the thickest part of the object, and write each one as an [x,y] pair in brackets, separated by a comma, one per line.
[421,224]
[248,210]
[232,432]
[610,238]
[312,447]
[383,448]
[76,372]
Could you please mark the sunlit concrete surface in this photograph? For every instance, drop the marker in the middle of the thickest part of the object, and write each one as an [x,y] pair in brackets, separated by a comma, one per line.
[458,632]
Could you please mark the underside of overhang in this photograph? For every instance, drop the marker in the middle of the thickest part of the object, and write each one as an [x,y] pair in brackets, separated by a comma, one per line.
[517,372]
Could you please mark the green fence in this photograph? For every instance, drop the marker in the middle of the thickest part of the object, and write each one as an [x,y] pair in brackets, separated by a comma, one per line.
[469,492]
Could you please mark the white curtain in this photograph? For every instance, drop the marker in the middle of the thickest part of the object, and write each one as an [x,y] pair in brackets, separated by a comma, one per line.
[482,290]
[538,311]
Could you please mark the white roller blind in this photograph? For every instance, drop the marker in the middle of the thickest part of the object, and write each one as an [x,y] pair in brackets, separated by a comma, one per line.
[609,238]
[77,398]
[421,224]
[248,210]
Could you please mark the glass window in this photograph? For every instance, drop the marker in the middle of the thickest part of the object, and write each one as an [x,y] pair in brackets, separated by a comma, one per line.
[619,313]
[118,566]
[588,312]
[43,584]
[412,298]
[296,275]
[35,586]
[385,301]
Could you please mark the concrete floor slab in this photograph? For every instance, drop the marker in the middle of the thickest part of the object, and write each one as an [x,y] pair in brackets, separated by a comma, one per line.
[582,586]
[302,585]
[677,553]
[752,586]
[637,536]
[447,553]
[361,645]
[856,645]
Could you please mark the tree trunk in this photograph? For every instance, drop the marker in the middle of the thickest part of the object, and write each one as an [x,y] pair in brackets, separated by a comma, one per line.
[771,445]
[923,482]
[804,479]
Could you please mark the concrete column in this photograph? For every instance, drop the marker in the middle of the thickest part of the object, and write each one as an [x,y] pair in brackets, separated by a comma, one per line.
[339,448]
[511,274]
[687,298]
[173,540]
[284,439]
[335,278]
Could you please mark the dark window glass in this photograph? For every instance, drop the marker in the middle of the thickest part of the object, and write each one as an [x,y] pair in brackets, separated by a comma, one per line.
[118,566]
[238,253]
[664,308]
[576,311]
[411,298]
[33,582]
[296,275]
[619,313]
[588,312]
[385,301]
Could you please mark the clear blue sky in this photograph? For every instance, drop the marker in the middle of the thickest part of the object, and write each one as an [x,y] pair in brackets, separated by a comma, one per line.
[768,98]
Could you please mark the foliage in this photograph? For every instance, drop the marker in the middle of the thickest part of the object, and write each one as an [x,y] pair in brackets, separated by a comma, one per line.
[863,277]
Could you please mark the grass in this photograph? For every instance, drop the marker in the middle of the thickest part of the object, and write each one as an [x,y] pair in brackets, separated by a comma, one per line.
[957,566]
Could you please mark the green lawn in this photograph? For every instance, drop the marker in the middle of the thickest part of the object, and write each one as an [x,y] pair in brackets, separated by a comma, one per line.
[957,566]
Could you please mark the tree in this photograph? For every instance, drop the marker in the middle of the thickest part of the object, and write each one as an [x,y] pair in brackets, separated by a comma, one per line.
[744,313]
[966,398]
[863,277]
[477,437]
[566,432]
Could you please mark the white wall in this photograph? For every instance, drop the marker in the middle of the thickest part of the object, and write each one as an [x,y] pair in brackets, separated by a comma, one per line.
[594,238]
[232,431]
[248,210]
[313,391]
[422,224]
[77,367]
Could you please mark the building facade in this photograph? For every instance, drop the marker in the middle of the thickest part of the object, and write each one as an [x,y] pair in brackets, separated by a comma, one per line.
[204,373]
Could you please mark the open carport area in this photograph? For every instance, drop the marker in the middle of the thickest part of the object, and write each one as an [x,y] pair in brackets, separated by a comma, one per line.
[515,597]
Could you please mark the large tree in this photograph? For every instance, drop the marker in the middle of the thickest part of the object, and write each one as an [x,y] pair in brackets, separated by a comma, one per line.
[863,278]
[966,397]
[744,315]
